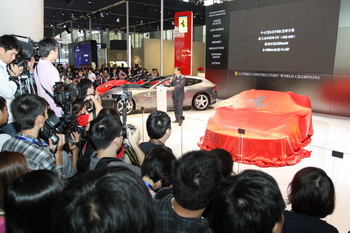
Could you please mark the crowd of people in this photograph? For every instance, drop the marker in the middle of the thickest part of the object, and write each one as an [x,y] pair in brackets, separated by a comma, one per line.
[96,176]
[104,73]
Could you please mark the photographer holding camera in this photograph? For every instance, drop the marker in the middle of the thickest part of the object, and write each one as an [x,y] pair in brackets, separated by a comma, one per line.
[30,114]
[46,74]
[9,48]
[92,102]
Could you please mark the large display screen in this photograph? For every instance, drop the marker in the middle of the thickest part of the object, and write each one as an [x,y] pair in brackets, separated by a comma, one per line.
[82,55]
[298,36]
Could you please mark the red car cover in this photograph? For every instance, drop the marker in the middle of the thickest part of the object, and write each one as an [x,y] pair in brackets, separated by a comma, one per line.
[265,128]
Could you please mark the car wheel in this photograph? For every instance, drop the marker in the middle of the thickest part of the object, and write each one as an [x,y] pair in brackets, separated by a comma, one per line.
[129,106]
[200,101]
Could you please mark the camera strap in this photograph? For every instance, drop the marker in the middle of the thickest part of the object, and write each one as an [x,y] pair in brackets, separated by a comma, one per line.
[47,92]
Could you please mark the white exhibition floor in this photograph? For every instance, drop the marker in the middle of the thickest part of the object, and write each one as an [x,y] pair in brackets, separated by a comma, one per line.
[330,133]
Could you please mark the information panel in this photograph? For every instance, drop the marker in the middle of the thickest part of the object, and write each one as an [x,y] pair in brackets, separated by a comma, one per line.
[298,36]
[217,38]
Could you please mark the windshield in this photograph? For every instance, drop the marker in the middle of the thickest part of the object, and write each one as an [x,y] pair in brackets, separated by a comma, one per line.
[156,81]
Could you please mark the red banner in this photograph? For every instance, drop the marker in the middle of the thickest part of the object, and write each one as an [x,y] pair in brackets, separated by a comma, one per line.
[183,41]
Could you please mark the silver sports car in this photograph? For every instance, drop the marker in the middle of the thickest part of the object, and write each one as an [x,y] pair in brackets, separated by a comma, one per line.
[199,93]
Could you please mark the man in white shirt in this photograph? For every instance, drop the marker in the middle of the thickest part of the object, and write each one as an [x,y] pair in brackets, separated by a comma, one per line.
[92,75]
[9,48]
[46,74]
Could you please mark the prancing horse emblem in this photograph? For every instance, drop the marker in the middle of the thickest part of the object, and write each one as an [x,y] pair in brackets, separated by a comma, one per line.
[259,102]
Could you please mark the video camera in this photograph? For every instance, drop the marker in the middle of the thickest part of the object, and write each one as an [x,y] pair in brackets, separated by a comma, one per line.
[29,49]
[65,95]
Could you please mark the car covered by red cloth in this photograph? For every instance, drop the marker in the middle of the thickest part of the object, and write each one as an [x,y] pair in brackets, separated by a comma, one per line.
[261,127]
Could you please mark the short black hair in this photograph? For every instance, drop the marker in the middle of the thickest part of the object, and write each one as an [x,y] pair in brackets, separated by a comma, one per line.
[104,129]
[46,45]
[9,42]
[159,164]
[249,202]
[197,178]
[109,111]
[25,108]
[224,160]
[31,197]
[157,123]
[311,192]
[2,103]
[109,199]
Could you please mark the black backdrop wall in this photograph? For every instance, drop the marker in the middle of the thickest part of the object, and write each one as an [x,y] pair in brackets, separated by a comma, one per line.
[278,45]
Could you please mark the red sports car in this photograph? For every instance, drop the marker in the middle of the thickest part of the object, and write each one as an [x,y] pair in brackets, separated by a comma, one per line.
[137,79]
[264,128]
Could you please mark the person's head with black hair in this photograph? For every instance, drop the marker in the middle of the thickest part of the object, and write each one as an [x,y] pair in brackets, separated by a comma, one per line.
[197,177]
[28,201]
[311,192]
[224,160]
[12,165]
[158,125]
[4,115]
[109,199]
[106,130]
[9,48]
[85,87]
[158,167]
[26,109]
[109,111]
[78,107]
[249,202]
[48,48]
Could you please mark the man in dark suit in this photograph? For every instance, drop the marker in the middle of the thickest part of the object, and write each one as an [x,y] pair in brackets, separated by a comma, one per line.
[178,82]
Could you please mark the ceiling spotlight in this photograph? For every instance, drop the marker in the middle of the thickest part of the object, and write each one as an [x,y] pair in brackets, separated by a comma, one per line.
[198,2]
[64,26]
[102,15]
[62,14]
[89,3]
[172,23]
[72,15]
[118,20]
[141,21]
[107,28]
[53,14]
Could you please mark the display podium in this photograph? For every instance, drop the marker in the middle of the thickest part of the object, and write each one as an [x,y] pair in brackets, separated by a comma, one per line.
[162,99]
